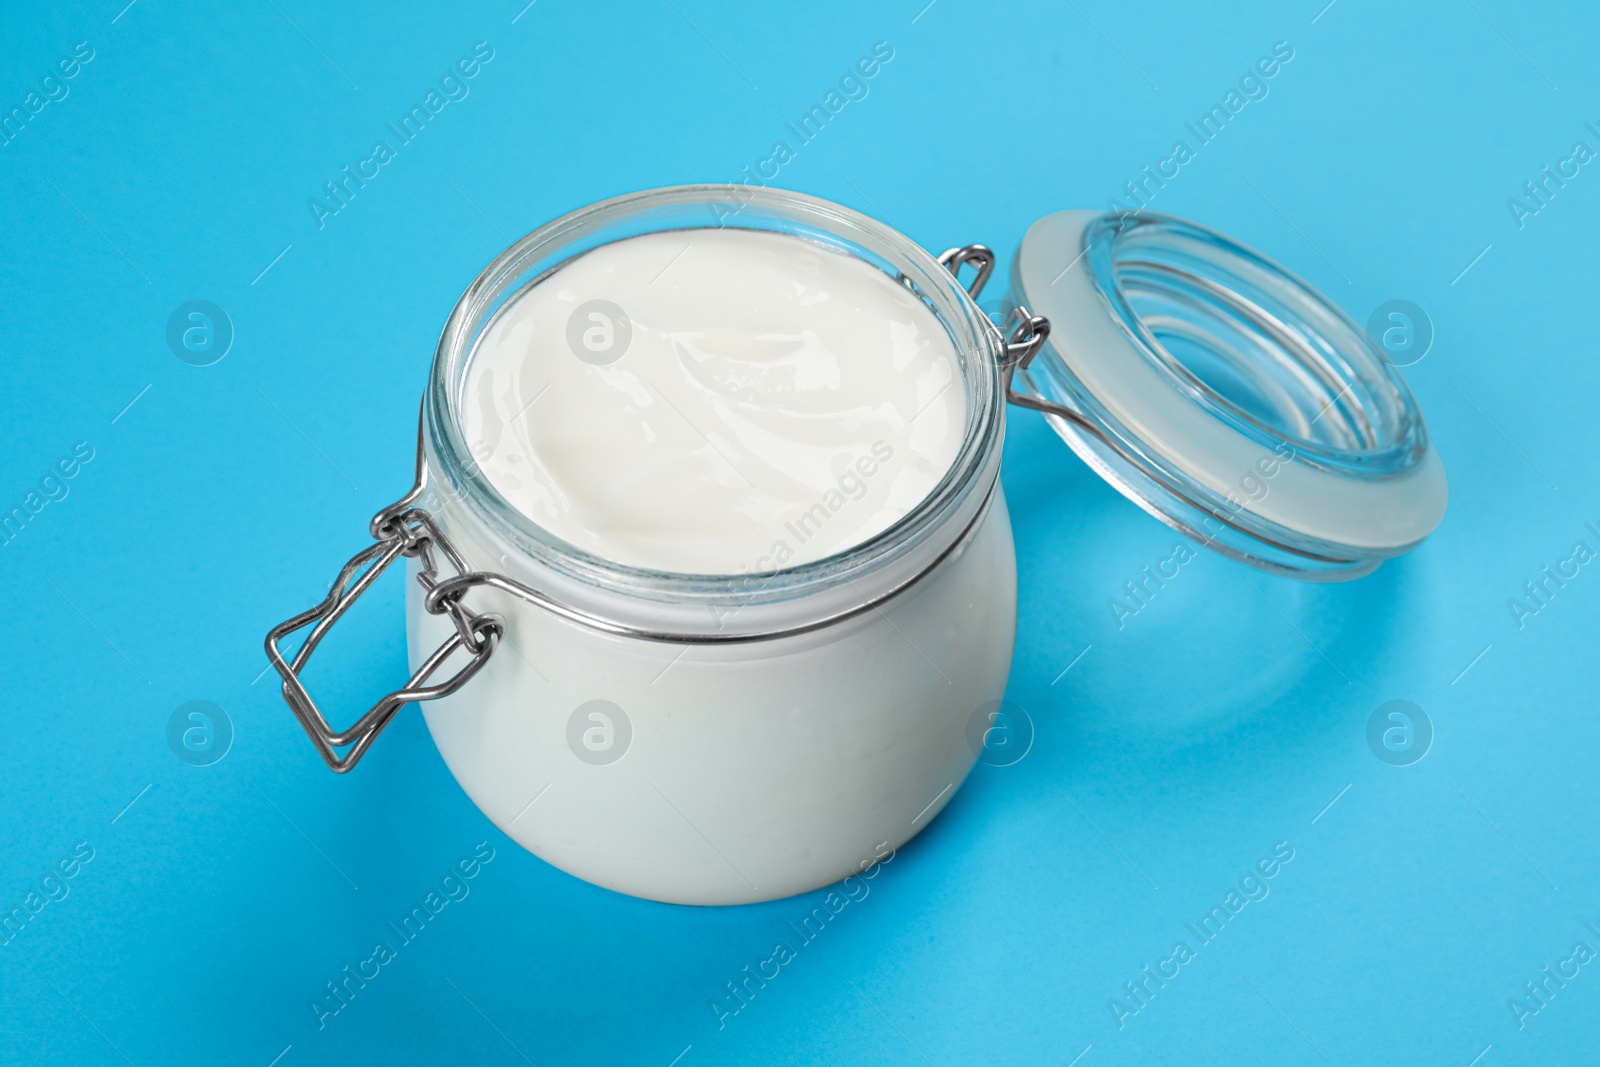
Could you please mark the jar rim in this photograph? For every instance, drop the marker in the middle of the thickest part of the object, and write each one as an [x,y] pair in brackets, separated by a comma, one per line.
[947,507]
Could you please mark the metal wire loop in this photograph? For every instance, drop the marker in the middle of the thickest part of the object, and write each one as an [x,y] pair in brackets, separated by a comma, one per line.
[955,258]
[400,530]
[1025,341]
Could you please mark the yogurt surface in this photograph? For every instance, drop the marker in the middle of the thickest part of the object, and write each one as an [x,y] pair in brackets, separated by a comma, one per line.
[714,401]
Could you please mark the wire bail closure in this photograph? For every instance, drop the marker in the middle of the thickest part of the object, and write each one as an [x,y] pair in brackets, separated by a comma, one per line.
[401,529]
[1027,337]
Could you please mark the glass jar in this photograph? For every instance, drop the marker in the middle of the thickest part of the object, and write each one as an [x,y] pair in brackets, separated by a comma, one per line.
[725,739]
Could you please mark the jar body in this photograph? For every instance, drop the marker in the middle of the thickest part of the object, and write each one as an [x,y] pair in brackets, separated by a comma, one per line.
[718,739]
[724,774]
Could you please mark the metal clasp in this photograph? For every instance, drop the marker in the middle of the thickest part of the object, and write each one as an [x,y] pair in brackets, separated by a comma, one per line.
[953,259]
[401,529]
[1026,339]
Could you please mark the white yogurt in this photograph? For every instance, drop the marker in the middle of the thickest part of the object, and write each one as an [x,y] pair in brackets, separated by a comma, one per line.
[714,401]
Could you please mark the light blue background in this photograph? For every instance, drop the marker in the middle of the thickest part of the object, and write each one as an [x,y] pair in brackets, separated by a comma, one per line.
[1221,720]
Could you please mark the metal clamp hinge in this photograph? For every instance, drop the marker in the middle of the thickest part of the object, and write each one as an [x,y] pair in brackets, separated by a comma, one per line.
[401,529]
[1024,342]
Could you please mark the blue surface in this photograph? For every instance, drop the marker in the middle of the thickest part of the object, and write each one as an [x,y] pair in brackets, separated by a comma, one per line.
[1224,718]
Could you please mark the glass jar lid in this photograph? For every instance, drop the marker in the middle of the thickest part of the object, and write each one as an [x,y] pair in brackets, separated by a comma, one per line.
[1224,395]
